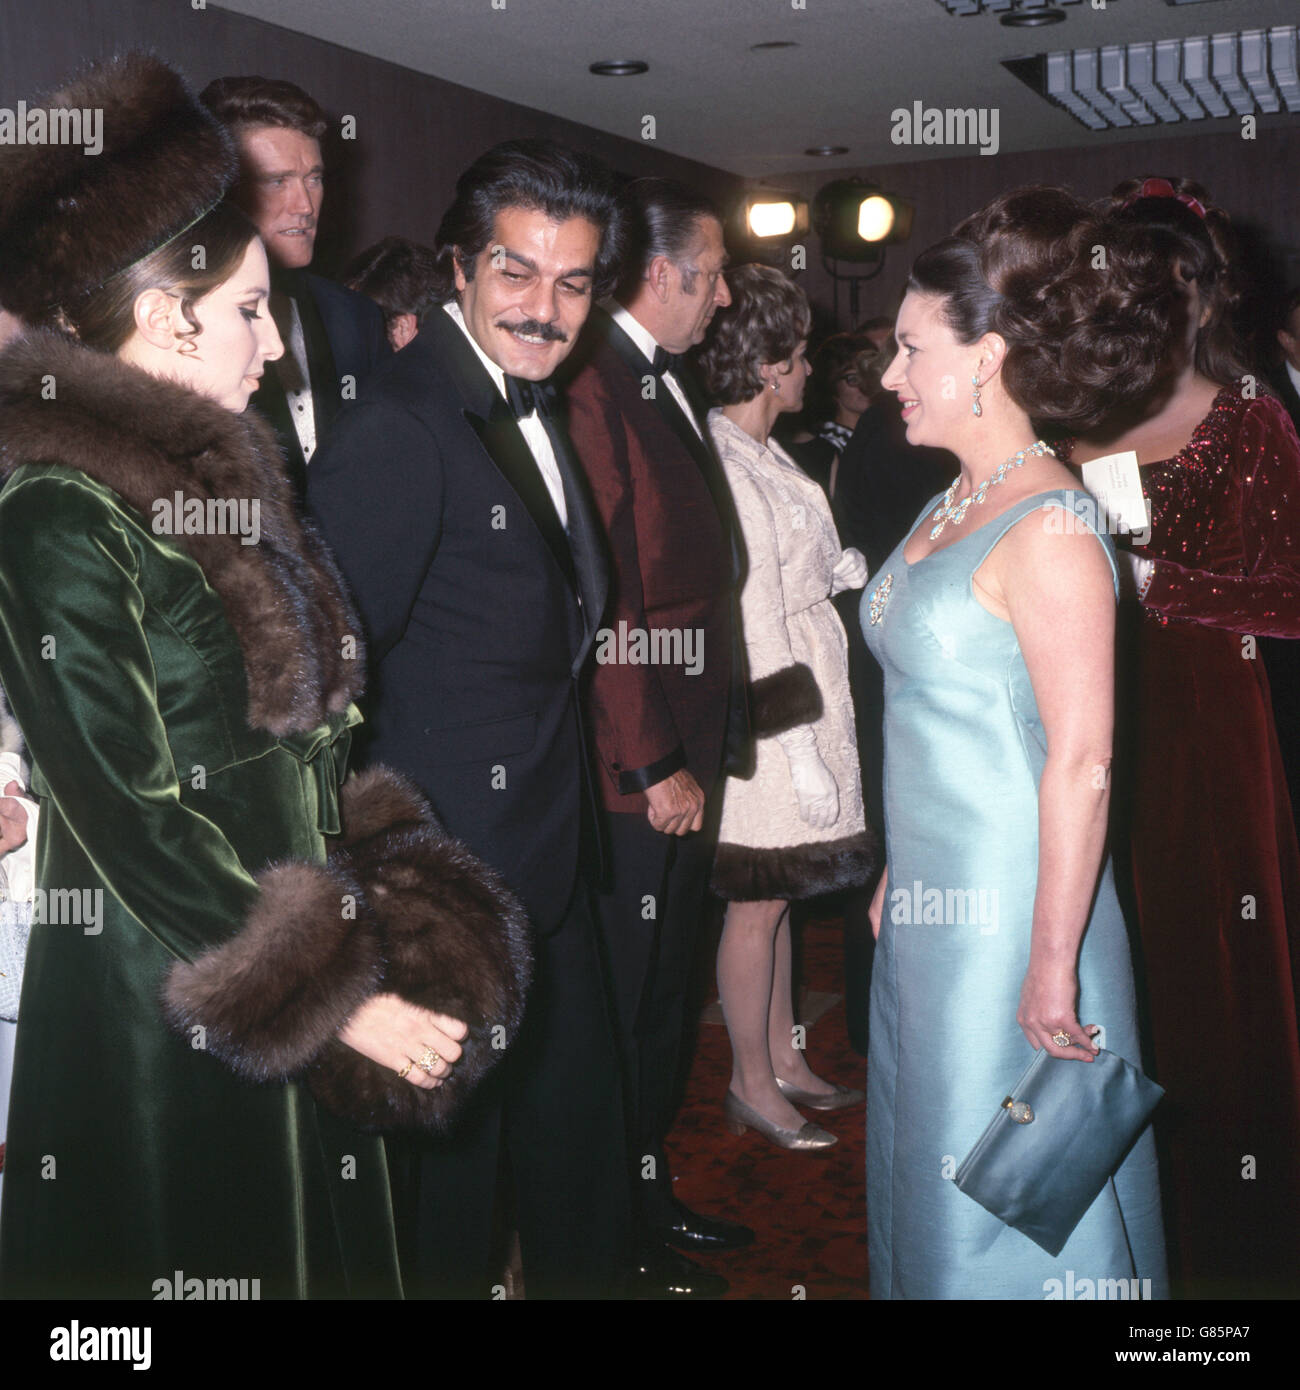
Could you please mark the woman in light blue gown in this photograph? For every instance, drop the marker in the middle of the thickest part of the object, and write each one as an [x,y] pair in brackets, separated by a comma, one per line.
[998,924]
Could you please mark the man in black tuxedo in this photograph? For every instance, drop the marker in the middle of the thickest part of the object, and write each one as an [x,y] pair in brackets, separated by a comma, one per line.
[333,337]
[638,423]
[460,517]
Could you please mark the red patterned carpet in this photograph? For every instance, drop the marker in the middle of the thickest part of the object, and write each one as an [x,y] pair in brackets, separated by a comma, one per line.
[808,1210]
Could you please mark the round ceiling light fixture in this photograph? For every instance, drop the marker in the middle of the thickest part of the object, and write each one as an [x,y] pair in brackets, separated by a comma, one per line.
[623,67]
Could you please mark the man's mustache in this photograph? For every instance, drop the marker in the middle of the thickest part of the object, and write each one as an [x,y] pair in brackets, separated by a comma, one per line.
[535,329]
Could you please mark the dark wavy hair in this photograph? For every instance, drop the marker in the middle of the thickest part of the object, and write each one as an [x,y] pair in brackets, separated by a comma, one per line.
[768,318]
[532,174]
[105,317]
[401,276]
[1086,336]
[1159,238]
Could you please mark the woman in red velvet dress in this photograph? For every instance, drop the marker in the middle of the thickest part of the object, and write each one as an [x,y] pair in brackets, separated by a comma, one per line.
[1215,865]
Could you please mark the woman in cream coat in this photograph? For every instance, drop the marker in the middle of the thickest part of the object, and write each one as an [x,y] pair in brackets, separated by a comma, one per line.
[796,828]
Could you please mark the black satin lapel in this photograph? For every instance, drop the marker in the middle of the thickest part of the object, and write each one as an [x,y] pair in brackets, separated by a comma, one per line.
[506,447]
[326,388]
[586,536]
[664,400]
[273,405]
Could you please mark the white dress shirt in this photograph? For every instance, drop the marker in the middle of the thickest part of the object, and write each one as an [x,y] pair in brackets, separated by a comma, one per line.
[531,427]
[645,341]
[293,373]
[1294,374]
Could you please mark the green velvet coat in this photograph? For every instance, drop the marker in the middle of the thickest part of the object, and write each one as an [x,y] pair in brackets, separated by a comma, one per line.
[187,703]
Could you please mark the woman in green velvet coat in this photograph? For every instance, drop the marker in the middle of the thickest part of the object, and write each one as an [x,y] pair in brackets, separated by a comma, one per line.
[183,663]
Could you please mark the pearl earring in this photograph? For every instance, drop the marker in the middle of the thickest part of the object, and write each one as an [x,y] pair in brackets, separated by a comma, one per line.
[975,407]
[774,384]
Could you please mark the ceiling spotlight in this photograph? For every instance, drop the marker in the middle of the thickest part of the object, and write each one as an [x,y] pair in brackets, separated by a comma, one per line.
[1032,15]
[626,67]
[826,151]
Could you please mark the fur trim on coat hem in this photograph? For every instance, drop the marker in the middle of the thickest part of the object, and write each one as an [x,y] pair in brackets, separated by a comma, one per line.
[743,874]
[784,700]
[455,941]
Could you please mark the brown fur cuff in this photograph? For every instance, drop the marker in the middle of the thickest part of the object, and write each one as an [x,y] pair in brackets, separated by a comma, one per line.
[456,941]
[742,874]
[784,700]
[272,997]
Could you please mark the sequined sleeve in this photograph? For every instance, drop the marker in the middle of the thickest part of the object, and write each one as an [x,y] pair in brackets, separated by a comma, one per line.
[1264,598]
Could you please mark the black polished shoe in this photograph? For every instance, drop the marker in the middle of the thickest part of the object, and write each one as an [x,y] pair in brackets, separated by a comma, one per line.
[662,1273]
[689,1230]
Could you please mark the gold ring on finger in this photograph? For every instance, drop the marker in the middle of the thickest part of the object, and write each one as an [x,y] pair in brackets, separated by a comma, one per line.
[428,1059]
[1061,1038]
[406,1068]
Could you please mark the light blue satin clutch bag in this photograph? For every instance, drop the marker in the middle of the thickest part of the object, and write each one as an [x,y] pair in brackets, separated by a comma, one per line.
[1055,1141]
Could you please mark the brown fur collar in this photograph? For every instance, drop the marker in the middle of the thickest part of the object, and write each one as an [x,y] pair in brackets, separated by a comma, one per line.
[148,439]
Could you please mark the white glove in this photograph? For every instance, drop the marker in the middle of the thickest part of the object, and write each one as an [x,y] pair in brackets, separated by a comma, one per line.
[851,571]
[814,786]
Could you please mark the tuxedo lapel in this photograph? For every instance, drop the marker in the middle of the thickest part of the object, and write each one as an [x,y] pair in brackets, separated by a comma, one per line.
[663,400]
[326,390]
[490,417]
[506,447]
[586,537]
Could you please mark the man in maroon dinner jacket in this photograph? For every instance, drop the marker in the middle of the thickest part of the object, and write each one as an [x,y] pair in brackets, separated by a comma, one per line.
[667,688]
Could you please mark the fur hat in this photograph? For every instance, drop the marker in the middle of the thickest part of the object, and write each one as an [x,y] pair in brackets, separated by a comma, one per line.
[70,219]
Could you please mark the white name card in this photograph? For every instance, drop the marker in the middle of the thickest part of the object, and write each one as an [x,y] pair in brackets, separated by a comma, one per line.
[1116,482]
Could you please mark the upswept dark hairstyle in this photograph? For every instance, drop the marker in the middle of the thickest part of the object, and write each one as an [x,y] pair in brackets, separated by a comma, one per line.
[1165,235]
[533,174]
[1083,342]
[250,101]
[104,318]
[401,276]
[665,216]
[768,318]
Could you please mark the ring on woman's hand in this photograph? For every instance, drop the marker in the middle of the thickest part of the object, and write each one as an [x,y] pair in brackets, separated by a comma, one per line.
[428,1059]
[407,1067]
[1061,1038]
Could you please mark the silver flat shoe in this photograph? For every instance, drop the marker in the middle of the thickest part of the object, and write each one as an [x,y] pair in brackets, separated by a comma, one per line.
[840,1100]
[740,1117]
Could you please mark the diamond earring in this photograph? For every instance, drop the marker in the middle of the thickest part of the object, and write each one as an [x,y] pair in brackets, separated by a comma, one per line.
[975,407]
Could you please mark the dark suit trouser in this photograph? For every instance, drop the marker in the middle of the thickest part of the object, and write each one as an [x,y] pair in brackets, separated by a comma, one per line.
[557,1105]
[650,962]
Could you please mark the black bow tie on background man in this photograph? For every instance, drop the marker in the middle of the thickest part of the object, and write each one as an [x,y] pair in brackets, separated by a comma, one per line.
[665,361]
[527,396]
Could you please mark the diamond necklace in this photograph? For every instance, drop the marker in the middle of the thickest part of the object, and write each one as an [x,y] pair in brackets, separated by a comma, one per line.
[946,512]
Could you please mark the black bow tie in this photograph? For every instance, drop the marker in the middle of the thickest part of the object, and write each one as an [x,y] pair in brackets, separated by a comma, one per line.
[664,361]
[525,396]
